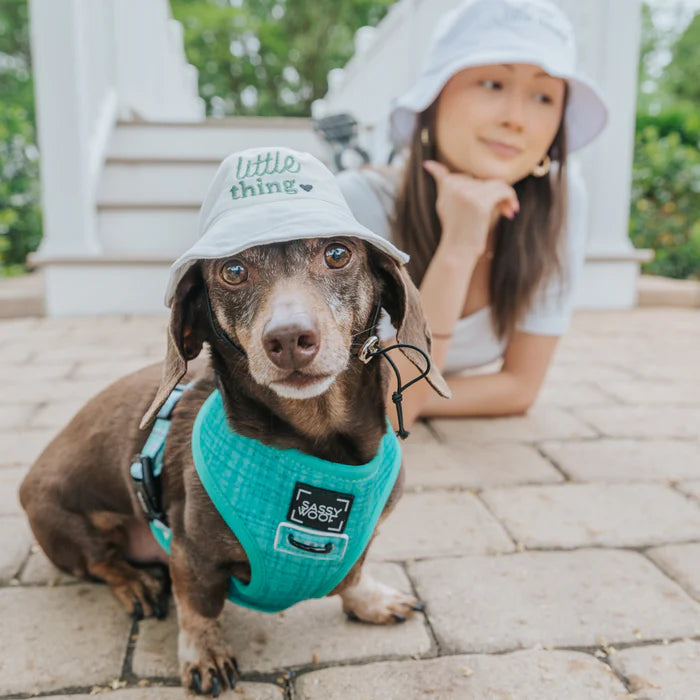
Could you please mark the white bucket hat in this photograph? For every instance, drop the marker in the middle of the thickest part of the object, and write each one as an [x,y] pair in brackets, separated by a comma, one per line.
[271,195]
[483,32]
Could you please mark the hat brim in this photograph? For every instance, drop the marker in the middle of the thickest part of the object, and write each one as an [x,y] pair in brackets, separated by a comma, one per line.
[227,234]
[586,111]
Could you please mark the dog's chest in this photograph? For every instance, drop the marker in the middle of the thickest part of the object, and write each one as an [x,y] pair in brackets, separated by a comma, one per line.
[142,547]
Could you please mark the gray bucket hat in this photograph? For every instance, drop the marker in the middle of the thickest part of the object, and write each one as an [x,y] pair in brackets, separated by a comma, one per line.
[271,195]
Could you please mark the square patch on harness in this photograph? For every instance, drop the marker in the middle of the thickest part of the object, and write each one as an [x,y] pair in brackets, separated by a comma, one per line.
[319,509]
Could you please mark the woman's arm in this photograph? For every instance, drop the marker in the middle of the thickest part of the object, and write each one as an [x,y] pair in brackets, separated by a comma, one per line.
[468,209]
[442,295]
[510,391]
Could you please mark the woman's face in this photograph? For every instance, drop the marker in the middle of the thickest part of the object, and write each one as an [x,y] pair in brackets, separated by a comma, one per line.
[498,121]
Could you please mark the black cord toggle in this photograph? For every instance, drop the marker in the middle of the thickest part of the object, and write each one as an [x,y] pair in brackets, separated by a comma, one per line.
[397,398]
[372,348]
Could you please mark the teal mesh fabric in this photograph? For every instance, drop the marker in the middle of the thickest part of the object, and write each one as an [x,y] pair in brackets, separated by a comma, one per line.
[254,487]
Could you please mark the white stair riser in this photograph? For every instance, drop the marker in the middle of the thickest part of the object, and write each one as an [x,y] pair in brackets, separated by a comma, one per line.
[165,141]
[75,290]
[155,183]
[147,232]
[608,285]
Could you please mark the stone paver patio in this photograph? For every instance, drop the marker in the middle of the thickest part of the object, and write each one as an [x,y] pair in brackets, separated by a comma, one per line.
[557,553]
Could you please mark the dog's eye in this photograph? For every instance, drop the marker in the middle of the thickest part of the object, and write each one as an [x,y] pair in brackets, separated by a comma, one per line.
[337,256]
[234,272]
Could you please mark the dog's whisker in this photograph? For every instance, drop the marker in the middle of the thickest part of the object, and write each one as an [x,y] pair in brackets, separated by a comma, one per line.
[364,330]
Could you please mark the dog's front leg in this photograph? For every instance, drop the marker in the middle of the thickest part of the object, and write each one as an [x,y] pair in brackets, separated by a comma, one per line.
[366,599]
[207,663]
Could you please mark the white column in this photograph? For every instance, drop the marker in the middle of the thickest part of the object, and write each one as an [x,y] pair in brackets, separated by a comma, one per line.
[609,163]
[59,59]
[609,34]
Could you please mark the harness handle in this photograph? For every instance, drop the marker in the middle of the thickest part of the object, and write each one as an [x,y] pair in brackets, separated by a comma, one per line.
[325,549]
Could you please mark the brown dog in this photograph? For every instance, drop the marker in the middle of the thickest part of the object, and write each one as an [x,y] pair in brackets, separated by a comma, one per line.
[299,311]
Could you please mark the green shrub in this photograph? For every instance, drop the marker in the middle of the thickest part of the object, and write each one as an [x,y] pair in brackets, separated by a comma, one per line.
[665,212]
[20,217]
[681,119]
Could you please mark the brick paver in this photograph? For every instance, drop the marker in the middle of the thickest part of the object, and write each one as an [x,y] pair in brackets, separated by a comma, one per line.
[63,637]
[643,422]
[488,604]
[10,479]
[661,672]
[15,540]
[608,457]
[626,460]
[22,447]
[473,466]
[541,423]
[525,675]
[580,515]
[692,488]
[152,691]
[568,394]
[439,524]
[38,569]
[682,563]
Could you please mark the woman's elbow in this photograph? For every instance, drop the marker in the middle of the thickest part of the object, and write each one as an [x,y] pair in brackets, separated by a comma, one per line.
[523,403]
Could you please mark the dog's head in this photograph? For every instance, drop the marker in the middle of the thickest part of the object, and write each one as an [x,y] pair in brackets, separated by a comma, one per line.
[293,309]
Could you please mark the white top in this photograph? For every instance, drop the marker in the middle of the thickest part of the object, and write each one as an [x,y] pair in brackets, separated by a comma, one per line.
[370,196]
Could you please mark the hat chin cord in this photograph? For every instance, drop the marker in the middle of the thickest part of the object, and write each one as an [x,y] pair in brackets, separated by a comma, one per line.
[372,348]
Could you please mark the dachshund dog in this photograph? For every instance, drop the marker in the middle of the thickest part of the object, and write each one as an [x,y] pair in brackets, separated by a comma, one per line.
[283,323]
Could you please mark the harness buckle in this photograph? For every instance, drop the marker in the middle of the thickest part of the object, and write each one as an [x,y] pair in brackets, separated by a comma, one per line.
[147,487]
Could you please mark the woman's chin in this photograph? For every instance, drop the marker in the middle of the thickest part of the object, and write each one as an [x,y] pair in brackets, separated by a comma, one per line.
[498,172]
[491,169]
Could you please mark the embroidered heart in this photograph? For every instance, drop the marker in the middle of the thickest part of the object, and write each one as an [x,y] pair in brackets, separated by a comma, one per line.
[306,188]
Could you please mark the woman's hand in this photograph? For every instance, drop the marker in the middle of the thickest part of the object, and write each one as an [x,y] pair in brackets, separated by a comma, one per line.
[467,207]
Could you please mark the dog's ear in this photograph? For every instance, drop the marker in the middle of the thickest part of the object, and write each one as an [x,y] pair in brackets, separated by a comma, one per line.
[185,337]
[401,300]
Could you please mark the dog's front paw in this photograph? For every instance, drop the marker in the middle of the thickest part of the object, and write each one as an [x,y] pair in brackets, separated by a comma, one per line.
[207,664]
[141,593]
[371,601]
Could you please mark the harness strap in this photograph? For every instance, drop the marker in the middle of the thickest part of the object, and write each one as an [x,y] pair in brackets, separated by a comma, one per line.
[147,465]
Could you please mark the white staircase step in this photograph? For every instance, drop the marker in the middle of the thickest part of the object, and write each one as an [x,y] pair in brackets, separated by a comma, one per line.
[146,231]
[106,286]
[212,139]
[142,182]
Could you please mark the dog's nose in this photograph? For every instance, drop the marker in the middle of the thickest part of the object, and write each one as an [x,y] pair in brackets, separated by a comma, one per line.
[292,343]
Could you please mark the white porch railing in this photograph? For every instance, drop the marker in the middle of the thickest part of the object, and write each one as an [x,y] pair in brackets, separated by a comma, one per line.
[96,61]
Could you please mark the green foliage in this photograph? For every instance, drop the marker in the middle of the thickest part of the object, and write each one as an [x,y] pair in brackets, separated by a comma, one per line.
[679,119]
[649,41]
[270,57]
[665,207]
[20,218]
[666,203]
[16,86]
[681,75]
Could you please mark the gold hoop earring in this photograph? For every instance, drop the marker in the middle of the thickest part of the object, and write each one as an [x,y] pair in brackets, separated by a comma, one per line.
[543,168]
[425,137]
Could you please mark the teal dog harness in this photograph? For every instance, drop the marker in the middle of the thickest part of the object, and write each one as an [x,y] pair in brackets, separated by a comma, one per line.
[302,521]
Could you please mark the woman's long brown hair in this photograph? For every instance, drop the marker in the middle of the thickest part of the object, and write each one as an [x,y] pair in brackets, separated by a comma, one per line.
[527,250]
